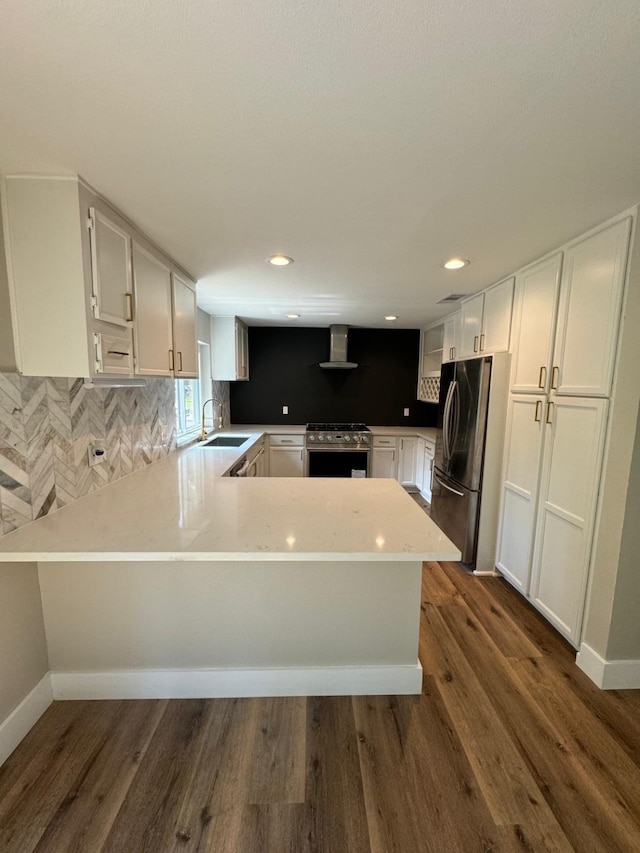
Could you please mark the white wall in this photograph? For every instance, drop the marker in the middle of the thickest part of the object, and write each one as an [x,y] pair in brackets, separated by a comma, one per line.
[23,648]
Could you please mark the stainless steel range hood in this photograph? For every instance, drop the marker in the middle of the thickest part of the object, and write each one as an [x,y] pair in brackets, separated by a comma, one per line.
[338,350]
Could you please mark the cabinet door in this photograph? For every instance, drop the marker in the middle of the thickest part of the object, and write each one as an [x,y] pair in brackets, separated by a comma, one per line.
[569,486]
[152,316]
[420,464]
[185,342]
[384,462]
[588,316]
[429,451]
[286,462]
[471,325]
[523,454]
[496,317]
[110,270]
[407,461]
[534,325]
[450,337]
[242,350]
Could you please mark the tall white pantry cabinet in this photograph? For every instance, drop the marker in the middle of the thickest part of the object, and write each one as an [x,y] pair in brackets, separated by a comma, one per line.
[566,318]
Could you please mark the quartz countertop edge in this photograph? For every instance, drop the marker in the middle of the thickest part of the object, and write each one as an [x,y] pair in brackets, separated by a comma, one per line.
[181,508]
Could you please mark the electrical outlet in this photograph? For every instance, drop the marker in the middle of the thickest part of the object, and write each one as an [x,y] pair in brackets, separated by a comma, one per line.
[97,453]
[285,410]
[406,413]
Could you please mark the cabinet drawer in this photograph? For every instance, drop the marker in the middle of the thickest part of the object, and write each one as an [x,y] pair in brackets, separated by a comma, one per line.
[385,441]
[286,440]
[429,446]
[114,354]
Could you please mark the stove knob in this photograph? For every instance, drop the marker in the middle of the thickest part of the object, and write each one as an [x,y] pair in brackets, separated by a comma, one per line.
[312,438]
[329,438]
[365,439]
[320,438]
[347,438]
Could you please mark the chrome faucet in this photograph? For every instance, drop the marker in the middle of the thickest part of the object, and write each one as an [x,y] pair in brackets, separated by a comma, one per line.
[214,400]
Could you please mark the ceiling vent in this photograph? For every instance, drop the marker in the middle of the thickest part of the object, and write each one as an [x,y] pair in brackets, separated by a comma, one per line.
[452,297]
[338,350]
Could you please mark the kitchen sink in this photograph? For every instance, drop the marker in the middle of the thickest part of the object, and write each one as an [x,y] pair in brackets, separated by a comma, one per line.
[227,441]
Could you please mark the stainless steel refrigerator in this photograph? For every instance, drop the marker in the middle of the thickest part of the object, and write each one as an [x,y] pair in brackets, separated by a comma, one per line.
[460,444]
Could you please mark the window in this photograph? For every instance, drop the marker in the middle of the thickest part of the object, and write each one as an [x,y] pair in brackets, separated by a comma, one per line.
[191,394]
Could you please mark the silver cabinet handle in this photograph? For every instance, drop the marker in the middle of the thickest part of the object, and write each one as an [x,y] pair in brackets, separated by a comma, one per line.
[549,412]
[481,343]
[555,375]
[448,488]
[172,362]
[538,415]
[475,343]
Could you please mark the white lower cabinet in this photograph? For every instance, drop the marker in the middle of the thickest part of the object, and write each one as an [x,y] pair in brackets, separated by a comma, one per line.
[384,457]
[568,495]
[286,456]
[429,453]
[553,456]
[407,461]
[523,452]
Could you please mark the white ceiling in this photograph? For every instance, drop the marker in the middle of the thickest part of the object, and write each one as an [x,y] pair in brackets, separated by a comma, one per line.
[370,140]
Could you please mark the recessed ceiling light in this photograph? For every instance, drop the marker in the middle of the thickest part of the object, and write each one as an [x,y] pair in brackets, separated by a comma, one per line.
[280,260]
[391,317]
[293,316]
[455,264]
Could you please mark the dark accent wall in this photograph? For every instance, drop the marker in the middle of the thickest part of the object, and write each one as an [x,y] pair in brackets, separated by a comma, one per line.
[284,370]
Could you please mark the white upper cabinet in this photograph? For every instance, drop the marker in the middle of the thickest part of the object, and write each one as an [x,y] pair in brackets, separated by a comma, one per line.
[589,312]
[152,324]
[110,270]
[63,239]
[229,349]
[185,343]
[486,321]
[450,337]
[534,318]
[470,326]
[496,317]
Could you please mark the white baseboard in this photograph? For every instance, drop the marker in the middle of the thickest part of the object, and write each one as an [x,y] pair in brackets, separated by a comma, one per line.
[22,719]
[609,674]
[221,683]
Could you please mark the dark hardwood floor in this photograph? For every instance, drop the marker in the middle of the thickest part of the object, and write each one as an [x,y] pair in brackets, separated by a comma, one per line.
[509,748]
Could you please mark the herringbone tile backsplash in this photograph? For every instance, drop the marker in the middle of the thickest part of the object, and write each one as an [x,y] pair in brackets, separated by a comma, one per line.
[46,426]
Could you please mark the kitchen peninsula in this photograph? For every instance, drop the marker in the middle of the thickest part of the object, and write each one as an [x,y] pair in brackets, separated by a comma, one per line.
[177,581]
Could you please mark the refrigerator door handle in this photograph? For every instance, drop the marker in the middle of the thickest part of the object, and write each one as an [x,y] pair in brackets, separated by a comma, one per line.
[455,414]
[446,421]
[448,488]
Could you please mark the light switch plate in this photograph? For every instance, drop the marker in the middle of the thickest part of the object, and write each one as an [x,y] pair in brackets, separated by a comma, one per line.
[285,410]
[406,413]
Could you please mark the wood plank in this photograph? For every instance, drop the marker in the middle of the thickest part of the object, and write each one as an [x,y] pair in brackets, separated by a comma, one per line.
[274,828]
[335,816]
[417,779]
[41,790]
[511,793]
[212,803]
[278,760]
[613,775]
[436,586]
[147,818]
[498,623]
[589,822]
[84,818]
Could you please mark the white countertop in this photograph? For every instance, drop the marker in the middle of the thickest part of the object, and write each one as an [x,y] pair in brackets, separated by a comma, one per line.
[180,508]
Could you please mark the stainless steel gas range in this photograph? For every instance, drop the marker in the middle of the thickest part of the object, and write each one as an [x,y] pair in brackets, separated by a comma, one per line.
[337,450]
